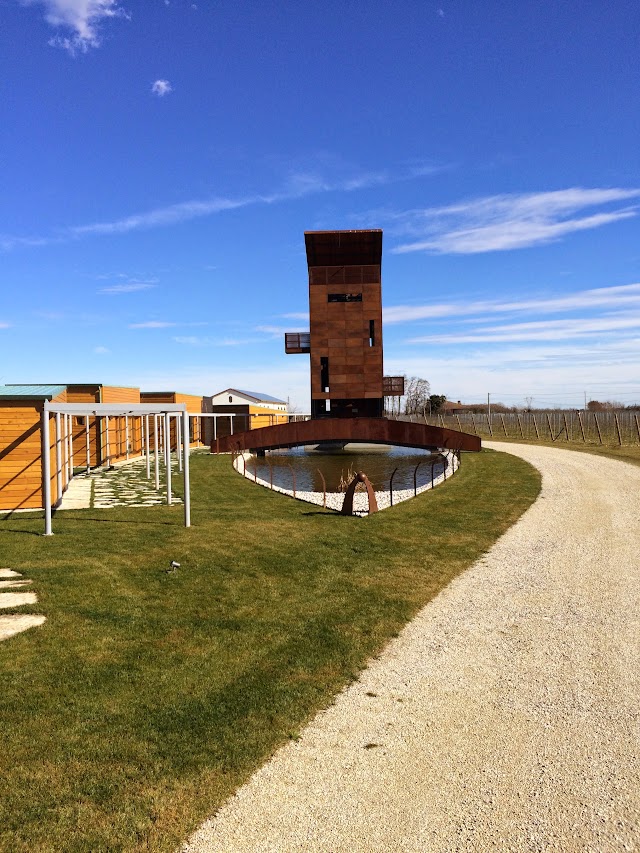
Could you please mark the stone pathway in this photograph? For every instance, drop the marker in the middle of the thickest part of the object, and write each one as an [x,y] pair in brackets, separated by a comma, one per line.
[125,484]
[15,623]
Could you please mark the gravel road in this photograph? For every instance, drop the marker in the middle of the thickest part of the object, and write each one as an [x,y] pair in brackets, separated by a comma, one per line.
[506,716]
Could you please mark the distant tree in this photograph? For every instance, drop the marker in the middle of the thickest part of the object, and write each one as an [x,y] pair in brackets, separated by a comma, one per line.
[416,395]
[607,405]
[436,402]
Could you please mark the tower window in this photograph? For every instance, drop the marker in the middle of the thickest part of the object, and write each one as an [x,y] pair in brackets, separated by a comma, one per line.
[344,297]
[324,373]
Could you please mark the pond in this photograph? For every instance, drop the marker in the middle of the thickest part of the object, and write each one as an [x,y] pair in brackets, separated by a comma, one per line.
[340,466]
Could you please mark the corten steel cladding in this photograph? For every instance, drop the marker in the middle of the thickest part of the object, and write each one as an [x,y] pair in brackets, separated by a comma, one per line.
[369,430]
[347,504]
[344,341]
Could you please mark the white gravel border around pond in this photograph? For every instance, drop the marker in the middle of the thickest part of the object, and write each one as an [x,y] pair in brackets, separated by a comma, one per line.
[334,500]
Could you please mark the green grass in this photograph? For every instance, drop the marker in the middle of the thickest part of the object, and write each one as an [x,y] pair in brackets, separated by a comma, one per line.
[625,452]
[148,697]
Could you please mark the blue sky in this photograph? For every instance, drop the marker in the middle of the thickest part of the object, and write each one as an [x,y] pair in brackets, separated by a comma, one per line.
[161,160]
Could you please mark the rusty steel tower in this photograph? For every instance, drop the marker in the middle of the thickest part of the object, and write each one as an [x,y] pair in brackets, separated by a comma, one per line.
[344,340]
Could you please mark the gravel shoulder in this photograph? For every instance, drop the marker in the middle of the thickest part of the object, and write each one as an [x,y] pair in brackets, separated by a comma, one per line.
[505,716]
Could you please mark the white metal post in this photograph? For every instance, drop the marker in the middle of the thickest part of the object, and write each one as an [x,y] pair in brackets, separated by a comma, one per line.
[179,422]
[106,420]
[70,447]
[156,458]
[144,425]
[187,481]
[65,446]
[231,424]
[58,457]
[126,435]
[215,427]
[46,470]
[87,442]
[167,455]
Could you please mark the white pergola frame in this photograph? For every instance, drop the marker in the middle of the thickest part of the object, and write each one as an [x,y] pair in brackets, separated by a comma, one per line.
[64,443]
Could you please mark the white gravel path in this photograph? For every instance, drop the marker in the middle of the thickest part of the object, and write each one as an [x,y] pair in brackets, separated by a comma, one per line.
[506,716]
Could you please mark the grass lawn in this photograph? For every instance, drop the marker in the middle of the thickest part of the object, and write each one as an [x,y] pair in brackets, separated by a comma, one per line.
[148,697]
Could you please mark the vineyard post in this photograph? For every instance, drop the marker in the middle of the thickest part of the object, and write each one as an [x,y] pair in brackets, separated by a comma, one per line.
[595,417]
[535,426]
[504,426]
[581,427]
[520,425]
[550,430]
[615,415]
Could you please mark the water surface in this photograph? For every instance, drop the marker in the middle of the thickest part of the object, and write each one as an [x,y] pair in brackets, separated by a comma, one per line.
[376,460]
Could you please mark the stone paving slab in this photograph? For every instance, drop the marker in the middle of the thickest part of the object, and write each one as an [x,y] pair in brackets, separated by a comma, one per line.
[16,599]
[14,583]
[15,624]
[9,573]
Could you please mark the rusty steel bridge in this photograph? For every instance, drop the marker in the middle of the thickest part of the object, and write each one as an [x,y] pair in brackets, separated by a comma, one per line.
[345,430]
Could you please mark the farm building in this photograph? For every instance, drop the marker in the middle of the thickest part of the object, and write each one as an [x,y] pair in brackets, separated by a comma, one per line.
[237,411]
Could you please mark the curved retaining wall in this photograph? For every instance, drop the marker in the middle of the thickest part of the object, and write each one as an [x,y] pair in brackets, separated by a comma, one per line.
[360,501]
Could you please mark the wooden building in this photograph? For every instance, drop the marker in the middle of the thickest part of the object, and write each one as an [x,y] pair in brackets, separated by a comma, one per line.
[21,449]
[194,407]
[344,341]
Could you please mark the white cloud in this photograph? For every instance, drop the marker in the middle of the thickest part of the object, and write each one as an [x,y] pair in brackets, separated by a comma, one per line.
[554,374]
[161,88]
[5,325]
[82,18]
[152,324]
[273,331]
[130,287]
[609,297]
[297,315]
[510,221]
[538,330]
[197,341]
[296,186]
[101,351]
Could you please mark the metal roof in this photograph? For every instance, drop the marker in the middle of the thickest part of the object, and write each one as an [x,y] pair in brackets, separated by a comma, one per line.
[38,392]
[256,395]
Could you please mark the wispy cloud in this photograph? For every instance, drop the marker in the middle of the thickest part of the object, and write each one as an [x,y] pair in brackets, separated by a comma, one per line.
[297,185]
[161,88]
[5,325]
[601,297]
[273,331]
[152,324]
[538,330]
[129,287]
[81,18]
[197,341]
[297,315]
[101,350]
[510,221]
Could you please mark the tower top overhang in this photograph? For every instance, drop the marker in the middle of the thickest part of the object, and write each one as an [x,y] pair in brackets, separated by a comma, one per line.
[343,248]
